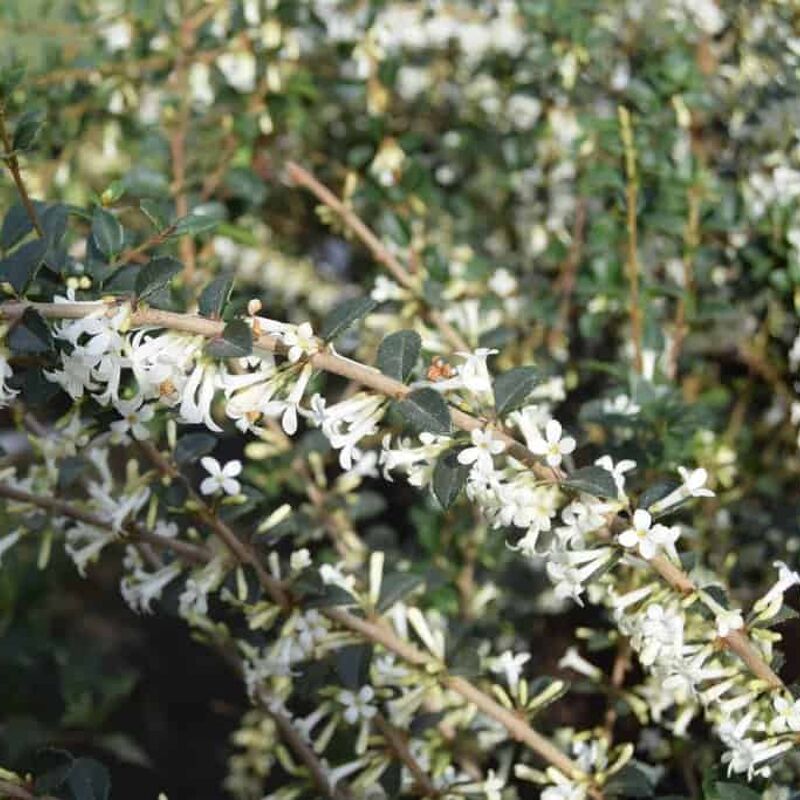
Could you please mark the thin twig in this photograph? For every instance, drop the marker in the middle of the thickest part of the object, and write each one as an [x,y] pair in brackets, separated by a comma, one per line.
[329,361]
[302,177]
[691,239]
[12,162]
[632,259]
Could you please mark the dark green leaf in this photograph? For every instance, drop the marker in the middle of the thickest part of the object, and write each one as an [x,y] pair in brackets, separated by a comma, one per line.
[31,335]
[20,268]
[398,354]
[27,130]
[107,233]
[16,225]
[236,341]
[10,77]
[352,665]
[194,224]
[214,297]
[70,470]
[54,223]
[465,662]
[332,595]
[512,388]
[735,791]
[344,315]
[396,586]
[391,779]
[426,410]
[89,780]
[51,768]
[191,447]
[154,211]
[592,480]
[633,780]
[656,492]
[449,477]
[156,275]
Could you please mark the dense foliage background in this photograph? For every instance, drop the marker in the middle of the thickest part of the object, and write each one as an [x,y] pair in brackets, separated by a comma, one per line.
[607,191]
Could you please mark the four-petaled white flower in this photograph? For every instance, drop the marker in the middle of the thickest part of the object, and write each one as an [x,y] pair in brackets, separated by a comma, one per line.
[220,478]
[787,714]
[358,706]
[552,446]
[510,665]
[300,341]
[484,447]
[134,416]
[645,536]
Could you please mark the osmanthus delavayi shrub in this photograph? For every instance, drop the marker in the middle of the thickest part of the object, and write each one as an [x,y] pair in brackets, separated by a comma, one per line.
[507,420]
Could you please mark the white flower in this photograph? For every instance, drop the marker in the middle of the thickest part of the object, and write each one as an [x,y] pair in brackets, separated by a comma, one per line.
[140,589]
[660,637]
[503,283]
[220,478]
[485,446]
[645,536]
[239,70]
[134,416]
[728,621]
[787,714]
[299,560]
[510,665]
[358,706]
[552,445]
[474,373]
[769,605]
[617,471]
[694,482]
[493,786]
[300,340]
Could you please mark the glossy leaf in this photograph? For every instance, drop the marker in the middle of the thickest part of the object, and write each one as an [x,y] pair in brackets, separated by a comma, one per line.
[344,315]
[512,388]
[398,354]
[426,410]
[236,341]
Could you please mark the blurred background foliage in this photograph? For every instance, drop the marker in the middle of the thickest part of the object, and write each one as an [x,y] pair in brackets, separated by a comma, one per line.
[494,146]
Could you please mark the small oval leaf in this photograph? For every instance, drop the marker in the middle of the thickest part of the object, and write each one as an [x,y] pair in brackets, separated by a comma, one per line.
[512,388]
[344,315]
[592,480]
[398,354]
[426,410]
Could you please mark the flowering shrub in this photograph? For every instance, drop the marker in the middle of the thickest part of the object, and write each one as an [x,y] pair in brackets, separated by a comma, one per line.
[436,364]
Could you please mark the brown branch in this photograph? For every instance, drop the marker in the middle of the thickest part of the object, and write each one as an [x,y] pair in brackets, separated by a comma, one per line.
[397,743]
[186,550]
[241,551]
[12,162]
[366,376]
[302,177]
[569,270]
[691,239]
[632,260]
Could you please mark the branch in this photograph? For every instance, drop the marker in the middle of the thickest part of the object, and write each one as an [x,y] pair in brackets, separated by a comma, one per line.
[189,552]
[12,162]
[632,261]
[302,177]
[371,378]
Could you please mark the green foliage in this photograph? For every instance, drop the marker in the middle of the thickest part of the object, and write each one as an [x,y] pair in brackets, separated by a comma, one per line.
[398,354]
[425,410]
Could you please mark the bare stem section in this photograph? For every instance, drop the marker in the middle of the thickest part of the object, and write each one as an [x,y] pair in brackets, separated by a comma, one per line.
[632,259]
